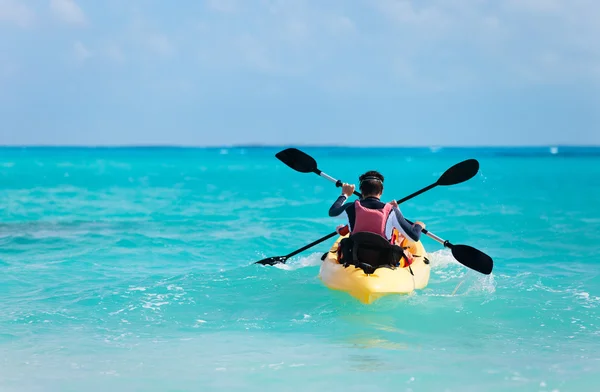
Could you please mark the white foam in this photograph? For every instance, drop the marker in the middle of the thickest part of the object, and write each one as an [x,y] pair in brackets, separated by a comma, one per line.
[587,300]
[441,259]
[446,268]
[303,262]
[483,284]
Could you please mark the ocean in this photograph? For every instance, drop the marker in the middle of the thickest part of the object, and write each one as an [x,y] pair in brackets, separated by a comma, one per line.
[132,269]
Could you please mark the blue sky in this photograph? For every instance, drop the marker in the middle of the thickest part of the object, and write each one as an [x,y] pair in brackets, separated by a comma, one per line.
[350,72]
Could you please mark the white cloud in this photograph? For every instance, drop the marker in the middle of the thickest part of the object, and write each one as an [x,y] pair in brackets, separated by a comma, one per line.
[277,37]
[223,5]
[82,53]
[114,53]
[159,43]
[537,5]
[143,34]
[371,44]
[7,70]
[403,12]
[517,41]
[253,53]
[429,45]
[68,11]
[16,12]
[340,24]
[297,30]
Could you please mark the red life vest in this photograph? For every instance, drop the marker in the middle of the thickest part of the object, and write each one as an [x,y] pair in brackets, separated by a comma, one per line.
[373,221]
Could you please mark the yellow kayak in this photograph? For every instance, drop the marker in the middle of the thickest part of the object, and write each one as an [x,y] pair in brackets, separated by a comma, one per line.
[384,281]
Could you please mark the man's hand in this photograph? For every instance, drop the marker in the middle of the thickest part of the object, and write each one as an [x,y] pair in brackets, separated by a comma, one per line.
[348,189]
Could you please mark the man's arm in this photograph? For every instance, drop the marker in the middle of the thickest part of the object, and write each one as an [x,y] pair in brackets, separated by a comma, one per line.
[338,206]
[408,230]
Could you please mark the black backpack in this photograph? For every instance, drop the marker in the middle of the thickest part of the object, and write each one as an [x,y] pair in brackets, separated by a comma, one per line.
[369,251]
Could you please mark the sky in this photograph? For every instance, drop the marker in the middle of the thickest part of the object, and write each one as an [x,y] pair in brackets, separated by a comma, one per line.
[300,72]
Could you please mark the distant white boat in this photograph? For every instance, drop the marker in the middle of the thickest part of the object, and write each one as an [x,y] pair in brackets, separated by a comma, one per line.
[553,150]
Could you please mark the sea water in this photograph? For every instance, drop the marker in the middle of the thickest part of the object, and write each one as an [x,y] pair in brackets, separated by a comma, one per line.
[132,270]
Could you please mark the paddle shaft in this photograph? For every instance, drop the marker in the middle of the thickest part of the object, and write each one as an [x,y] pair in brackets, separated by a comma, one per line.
[467,256]
[431,235]
[328,236]
[339,184]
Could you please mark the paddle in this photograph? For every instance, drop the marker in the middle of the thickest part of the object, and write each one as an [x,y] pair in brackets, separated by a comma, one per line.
[461,172]
[283,259]
[304,163]
[465,254]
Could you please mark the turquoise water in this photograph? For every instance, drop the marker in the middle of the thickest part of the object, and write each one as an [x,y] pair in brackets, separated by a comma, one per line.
[132,270]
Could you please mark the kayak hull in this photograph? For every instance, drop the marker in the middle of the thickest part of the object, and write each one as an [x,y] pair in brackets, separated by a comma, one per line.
[384,281]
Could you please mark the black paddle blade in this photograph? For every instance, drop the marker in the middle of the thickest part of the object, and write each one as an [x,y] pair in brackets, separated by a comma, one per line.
[297,160]
[460,172]
[272,260]
[473,258]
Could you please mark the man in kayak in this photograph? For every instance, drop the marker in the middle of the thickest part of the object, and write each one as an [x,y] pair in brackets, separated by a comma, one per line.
[370,214]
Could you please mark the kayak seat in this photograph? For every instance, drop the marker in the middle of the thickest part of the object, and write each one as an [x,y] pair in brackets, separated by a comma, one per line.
[369,251]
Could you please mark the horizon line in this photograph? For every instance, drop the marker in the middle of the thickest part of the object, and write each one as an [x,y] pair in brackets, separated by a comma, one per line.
[288,145]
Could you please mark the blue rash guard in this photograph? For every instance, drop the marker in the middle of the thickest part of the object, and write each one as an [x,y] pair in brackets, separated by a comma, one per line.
[396,219]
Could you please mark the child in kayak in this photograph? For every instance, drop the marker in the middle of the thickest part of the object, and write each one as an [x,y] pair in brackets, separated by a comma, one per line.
[370,214]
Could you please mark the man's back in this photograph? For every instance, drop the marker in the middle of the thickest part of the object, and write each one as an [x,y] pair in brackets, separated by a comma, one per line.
[395,219]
